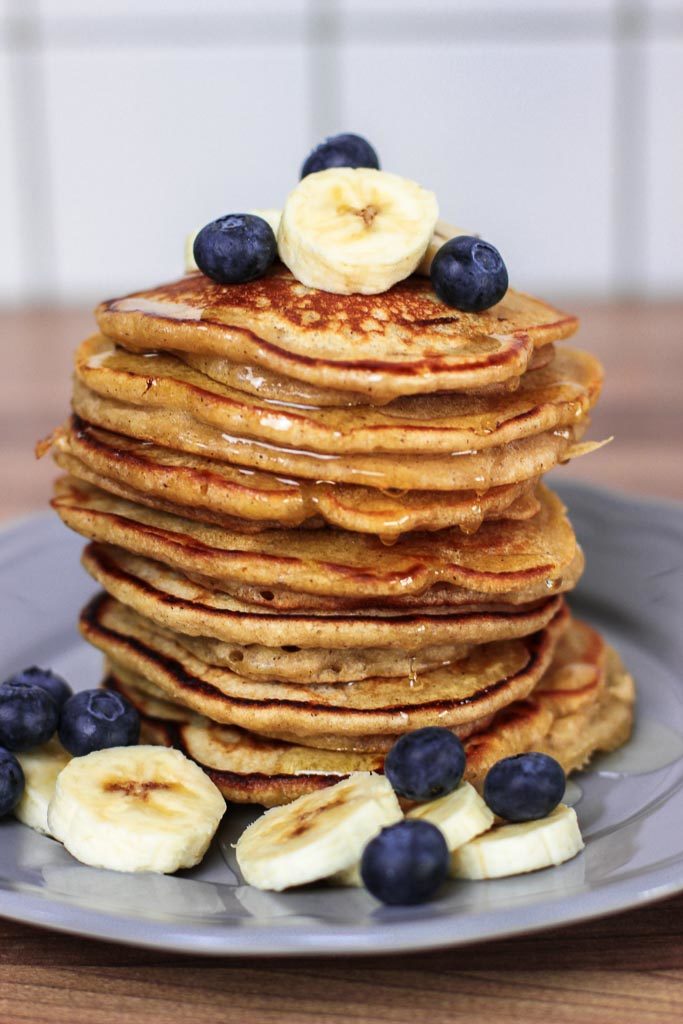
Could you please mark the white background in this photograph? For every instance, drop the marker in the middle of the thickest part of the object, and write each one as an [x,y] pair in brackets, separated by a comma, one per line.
[554,129]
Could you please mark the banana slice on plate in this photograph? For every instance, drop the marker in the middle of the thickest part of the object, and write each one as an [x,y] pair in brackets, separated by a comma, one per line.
[41,767]
[461,815]
[142,808]
[520,847]
[355,230]
[318,834]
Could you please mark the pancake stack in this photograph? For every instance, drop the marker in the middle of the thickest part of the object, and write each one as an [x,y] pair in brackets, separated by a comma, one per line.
[318,523]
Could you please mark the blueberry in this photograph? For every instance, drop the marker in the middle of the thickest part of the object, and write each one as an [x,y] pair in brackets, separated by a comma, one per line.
[425,764]
[469,274]
[406,863]
[11,782]
[524,787]
[28,715]
[57,687]
[237,248]
[344,150]
[95,719]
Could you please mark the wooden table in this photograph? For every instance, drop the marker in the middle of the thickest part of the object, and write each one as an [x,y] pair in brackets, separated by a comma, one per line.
[626,969]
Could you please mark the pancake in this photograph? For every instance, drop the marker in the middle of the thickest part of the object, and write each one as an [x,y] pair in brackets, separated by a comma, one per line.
[489,678]
[171,600]
[262,382]
[557,396]
[518,562]
[441,597]
[470,470]
[403,341]
[573,682]
[294,664]
[249,768]
[207,490]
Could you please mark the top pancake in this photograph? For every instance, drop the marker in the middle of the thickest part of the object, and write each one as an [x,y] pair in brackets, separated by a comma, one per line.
[404,341]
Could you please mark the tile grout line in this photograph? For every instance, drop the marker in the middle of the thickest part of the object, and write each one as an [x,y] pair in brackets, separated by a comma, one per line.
[324,74]
[30,146]
[629,120]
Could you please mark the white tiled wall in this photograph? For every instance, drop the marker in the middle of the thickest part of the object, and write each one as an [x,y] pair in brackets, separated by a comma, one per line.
[552,127]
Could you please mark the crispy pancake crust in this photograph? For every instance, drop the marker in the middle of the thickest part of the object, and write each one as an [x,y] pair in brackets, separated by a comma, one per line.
[404,341]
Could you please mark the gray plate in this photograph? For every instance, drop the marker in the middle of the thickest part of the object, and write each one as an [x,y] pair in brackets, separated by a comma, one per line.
[630,804]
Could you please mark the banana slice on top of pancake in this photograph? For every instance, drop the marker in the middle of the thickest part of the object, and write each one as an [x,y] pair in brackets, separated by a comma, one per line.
[355,230]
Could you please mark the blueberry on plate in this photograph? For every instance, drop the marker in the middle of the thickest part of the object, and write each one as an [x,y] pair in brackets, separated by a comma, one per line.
[28,715]
[95,719]
[57,687]
[469,274]
[524,787]
[11,782]
[425,764]
[234,249]
[406,863]
[346,150]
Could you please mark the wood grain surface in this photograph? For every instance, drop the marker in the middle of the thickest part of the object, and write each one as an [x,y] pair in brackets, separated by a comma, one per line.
[626,969]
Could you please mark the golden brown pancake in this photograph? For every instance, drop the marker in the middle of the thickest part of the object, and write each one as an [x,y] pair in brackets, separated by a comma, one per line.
[470,470]
[404,341]
[557,396]
[249,768]
[169,599]
[486,680]
[207,490]
[293,664]
[518,562]
[259,381]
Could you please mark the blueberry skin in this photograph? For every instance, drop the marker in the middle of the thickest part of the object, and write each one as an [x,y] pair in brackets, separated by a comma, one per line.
[57,687]
[28,715]
[406,863]
[346,150]
[469,274]
[236,248]
[12,782]
[524,787]
[95,719]
[425,764]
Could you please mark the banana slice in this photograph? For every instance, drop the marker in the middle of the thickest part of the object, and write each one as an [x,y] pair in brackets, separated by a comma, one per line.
[41,767]
[524,846]
[318,834]
[443,232]
[271,216]
[142,808]
[189,260]
[461,815]
[355,230]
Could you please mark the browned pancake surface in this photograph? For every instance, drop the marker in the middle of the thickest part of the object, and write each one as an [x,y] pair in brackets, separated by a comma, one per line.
[404,341]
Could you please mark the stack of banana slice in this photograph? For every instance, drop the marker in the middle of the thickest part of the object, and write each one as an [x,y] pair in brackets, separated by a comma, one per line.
[317,516]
